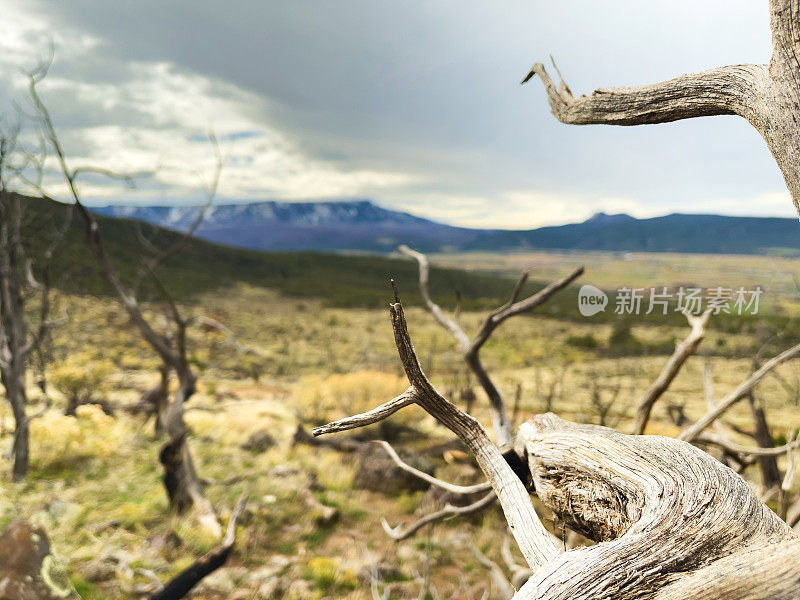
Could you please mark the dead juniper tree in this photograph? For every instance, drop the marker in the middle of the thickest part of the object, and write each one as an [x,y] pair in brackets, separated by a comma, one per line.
[182,483]
[673,522]
[471,348]
[24,281]
[768,96]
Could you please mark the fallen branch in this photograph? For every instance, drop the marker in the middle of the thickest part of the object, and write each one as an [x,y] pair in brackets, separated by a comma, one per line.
[183,583]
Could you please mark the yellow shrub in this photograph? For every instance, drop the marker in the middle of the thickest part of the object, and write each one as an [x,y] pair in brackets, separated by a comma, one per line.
[327,575]
[57,438]
[82,378]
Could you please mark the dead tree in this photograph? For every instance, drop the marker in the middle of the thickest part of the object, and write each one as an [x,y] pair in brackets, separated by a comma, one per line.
[683,350]
[471,347]
[603,396]
[21,335]
[674,522]
[766,95]
[742,390]
[183,486]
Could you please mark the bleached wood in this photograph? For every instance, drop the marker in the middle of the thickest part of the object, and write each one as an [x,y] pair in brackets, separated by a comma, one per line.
[447,512]
[533,539]
[665,512]
[471,348]
[445,485]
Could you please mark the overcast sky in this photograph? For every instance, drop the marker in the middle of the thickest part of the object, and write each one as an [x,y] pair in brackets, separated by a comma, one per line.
[415,104]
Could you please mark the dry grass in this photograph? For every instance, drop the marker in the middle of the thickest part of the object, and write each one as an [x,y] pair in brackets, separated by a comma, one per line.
[95,483]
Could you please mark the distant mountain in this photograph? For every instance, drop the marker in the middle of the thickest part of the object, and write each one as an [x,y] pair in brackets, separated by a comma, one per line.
[706,234]
[363,225]
[343,225]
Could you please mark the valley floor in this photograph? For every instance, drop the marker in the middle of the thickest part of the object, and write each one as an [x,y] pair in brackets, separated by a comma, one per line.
[95,480]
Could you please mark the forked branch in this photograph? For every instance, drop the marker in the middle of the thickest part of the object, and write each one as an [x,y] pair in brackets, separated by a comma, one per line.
[533,539]
[471,348]
[447,512]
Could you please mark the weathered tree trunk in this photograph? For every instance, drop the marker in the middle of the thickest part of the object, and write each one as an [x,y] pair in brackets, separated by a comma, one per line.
[768,96]
[770,472]
[20,449]
[14,344]
[14,385]
[665,511]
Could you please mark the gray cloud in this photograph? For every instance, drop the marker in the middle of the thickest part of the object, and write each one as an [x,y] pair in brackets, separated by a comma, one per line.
[418,103]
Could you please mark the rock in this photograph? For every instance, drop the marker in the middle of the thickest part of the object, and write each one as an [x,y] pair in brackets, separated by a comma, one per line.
[259,441]
[28,571]
[275,567]
[377,471]
[100,569]
[165,543]
[274,589]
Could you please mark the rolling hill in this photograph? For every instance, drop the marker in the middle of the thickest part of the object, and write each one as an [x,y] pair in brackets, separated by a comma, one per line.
[338,279]
[364,226]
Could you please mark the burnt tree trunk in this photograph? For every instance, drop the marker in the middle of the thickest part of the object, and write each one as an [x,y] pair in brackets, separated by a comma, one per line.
[184,488]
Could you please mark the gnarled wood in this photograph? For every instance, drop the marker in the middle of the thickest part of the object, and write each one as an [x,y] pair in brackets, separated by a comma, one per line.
[663,510]
[533,539]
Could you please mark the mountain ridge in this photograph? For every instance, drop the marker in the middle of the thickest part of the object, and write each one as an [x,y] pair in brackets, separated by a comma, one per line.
[363,225]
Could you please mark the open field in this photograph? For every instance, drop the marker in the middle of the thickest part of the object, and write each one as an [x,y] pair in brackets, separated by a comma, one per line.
[777,275]
[95,482]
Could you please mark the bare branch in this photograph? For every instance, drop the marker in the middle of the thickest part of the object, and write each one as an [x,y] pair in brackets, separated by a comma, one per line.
[435,309]
[506,590]
[535,543]
[379,413]
[471,349]
[450,487]
[683,350]
[747,450]
[447,512]
[211,192]
[740,392]
[723,91]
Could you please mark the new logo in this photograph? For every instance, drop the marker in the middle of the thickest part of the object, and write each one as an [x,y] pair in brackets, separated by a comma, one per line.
[591,300]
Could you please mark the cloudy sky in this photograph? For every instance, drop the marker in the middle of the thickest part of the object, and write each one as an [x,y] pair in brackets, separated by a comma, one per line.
[415,104]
